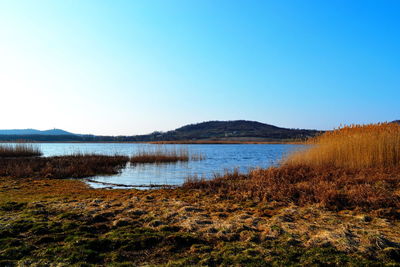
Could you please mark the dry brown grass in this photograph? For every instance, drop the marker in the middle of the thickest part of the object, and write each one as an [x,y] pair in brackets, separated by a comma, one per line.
[161,154]
[352,167]
[355,146]
[19,150]
[333,188]
[74,166]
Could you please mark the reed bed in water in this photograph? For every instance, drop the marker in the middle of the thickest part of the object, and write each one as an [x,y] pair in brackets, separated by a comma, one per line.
[351,167]
[19,150]
[72,166]
[162,154]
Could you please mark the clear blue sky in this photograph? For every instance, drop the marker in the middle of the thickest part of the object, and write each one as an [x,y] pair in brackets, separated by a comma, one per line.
[129,67]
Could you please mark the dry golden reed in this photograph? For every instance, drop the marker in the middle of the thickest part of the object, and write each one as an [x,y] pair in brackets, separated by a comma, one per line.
[19,150]
[73,166]
[162,154]
[354,146]
[353,167]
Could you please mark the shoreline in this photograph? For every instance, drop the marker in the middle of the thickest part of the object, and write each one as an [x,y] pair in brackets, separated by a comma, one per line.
[164,142]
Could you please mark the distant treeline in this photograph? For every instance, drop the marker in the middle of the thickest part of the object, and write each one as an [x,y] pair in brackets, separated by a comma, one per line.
[211,130]
[70,138]
[156,137]
[87,138]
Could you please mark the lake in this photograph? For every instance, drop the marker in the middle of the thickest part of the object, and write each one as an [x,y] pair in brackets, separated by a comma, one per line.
[218,159]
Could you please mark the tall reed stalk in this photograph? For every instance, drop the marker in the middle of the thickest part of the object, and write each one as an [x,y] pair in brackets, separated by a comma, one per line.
[163,154]
[354,146]
[19,150]
[352,167]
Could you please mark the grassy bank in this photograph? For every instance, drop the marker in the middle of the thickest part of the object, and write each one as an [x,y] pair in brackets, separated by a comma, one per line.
[333,188]
[48,221]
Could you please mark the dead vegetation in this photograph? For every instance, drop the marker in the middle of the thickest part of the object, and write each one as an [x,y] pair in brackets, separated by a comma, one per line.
[354,167]
[330,187]
[73,166]
[24,161]
[162,154]
[19,150]
[51,221]
[355,146]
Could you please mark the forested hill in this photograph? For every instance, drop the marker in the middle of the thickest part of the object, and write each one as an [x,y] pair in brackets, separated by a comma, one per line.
[235,129]
[239,130]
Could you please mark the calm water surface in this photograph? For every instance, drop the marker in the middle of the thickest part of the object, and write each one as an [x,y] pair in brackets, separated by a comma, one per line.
[218,159]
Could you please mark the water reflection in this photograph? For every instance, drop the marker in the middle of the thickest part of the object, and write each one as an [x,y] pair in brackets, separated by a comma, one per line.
[218,159]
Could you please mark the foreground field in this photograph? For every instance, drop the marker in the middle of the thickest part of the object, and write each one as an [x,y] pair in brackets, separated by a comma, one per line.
[46,221]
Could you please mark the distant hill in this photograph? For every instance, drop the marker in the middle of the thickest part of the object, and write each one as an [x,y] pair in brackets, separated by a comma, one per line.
[239,130]
[34,132]
[230,130]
